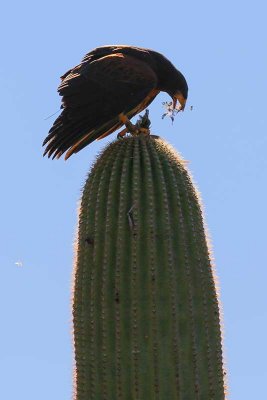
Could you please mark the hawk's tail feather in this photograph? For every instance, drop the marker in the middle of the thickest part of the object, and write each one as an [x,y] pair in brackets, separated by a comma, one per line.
[67,121]
[51,132]
[91,136]
[66,129]
[72,137]
[63,136]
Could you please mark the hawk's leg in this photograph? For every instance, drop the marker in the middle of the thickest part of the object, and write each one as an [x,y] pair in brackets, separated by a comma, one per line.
[122,133]
[142,126]
[129,126]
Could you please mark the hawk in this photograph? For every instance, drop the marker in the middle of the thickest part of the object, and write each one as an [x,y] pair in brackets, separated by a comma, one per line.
[103,92]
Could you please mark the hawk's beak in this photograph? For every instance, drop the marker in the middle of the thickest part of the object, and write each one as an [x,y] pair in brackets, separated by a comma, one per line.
[178,96]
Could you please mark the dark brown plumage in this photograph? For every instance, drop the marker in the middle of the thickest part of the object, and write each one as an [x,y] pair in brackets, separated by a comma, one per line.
[111,84]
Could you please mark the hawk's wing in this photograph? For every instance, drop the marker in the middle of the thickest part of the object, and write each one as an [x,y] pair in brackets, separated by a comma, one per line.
[94,94]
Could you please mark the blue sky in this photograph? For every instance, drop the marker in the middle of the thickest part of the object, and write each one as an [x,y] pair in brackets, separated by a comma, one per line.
[221,49]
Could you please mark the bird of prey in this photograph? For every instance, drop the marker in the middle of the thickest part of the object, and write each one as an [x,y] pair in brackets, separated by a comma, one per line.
[103,92]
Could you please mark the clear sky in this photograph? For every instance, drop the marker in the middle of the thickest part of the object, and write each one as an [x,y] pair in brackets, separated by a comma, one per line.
[221,49]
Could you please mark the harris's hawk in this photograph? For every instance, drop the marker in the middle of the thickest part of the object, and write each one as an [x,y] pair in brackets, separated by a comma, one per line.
[109,87]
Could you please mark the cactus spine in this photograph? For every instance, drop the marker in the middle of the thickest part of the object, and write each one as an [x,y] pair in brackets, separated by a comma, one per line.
[145,307]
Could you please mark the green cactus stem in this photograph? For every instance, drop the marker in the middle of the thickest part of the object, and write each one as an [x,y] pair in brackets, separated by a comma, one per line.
[145,306]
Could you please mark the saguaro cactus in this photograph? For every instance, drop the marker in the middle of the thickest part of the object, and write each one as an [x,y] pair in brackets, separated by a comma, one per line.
[145,307]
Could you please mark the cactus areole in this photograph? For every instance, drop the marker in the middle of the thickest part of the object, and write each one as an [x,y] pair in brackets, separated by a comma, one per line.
[145,307]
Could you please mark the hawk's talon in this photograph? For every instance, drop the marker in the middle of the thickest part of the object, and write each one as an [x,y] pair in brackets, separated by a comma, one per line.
[145,131]
[135,131]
